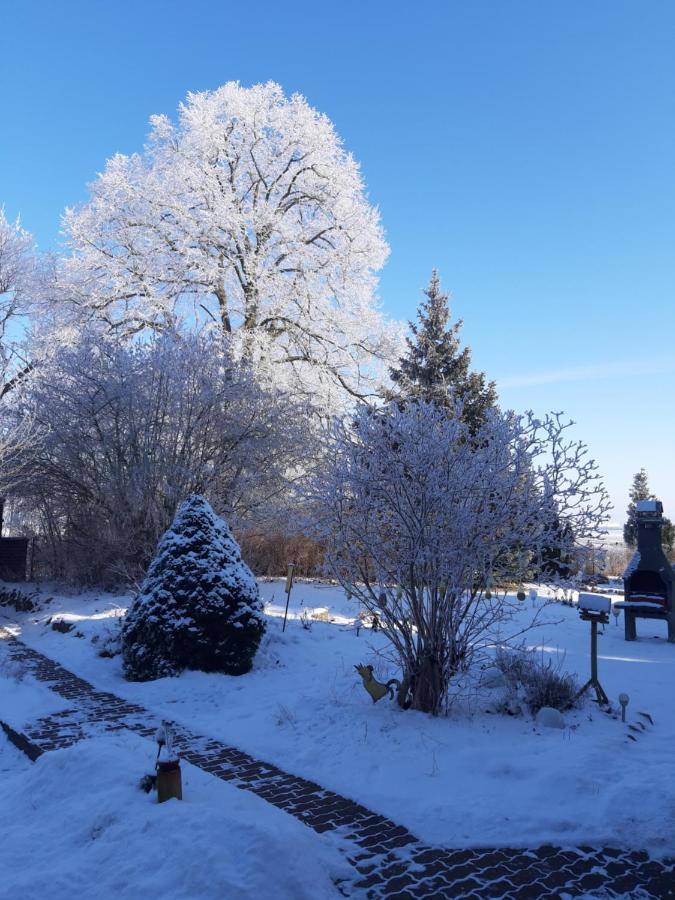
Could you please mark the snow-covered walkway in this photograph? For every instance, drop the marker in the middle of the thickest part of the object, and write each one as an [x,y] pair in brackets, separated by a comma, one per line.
[388,860]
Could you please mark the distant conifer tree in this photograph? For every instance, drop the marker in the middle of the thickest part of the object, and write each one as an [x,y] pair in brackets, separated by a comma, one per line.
[640,491]
[435,368]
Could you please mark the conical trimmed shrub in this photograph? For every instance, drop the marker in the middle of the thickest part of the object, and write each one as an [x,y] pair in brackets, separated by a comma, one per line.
[199,606]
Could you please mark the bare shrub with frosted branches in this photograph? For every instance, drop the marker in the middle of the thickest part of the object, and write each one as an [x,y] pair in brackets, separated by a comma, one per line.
[127,432]
[420,519]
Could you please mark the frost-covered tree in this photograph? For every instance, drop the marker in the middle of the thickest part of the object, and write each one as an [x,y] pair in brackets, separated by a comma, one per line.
[247,214]
[421,515]
[17,263]
[199,605]
[435,369]
[640,491]
[127,431]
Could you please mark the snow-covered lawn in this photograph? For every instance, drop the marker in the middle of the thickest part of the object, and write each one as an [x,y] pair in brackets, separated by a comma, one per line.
[75,824]
[474,778]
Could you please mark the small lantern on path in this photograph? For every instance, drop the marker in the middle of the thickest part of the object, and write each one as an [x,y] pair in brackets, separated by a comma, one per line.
[169,782]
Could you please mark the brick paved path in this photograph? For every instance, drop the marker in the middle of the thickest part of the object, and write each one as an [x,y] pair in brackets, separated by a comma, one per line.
[388,860]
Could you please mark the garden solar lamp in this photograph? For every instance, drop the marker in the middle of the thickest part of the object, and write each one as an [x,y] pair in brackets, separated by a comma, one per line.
[168,768]
[623,700]
[616,612]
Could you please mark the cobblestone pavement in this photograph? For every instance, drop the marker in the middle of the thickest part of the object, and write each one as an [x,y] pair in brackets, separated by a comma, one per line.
[388,860]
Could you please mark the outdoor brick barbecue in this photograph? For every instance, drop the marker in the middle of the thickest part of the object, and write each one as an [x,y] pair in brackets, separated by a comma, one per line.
[648,579]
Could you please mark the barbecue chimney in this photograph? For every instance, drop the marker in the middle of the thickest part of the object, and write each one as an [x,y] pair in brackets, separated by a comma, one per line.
[649,515]
[648,580]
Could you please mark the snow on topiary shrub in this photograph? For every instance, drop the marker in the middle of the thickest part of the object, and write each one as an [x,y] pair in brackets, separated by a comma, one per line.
[199,606]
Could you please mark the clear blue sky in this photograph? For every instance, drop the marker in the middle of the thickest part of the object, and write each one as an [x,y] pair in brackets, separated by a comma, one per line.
[526,149]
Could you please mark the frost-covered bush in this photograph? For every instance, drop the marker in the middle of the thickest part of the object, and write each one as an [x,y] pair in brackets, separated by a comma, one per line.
[128,430]
[199,606]
[549,686]
[20,600]
[421,516]
[534,682]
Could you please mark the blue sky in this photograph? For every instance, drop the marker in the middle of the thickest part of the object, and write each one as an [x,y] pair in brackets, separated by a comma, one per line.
[526,149]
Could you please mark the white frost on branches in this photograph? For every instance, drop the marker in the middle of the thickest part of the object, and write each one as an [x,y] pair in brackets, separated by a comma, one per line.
[17,265]
[16,257]
[128,431]
[421,519]
[249,215]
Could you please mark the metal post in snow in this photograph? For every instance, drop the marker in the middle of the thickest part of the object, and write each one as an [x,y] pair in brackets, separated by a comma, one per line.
[594,652]
[594,610]
[287,588]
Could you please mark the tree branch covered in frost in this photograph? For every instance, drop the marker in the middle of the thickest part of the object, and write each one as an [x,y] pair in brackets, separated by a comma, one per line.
[247,215]
[127,432]
[17,264]
[422,519]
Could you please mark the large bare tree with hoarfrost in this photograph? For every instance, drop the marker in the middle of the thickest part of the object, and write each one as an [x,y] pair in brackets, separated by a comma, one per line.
[248,215]
[423,517]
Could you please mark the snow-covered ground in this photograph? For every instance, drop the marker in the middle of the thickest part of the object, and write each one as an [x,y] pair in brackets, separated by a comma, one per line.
[75,824]
[474,778]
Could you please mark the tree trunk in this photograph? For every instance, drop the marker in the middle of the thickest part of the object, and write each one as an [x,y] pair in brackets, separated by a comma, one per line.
[224,310]
[424,687]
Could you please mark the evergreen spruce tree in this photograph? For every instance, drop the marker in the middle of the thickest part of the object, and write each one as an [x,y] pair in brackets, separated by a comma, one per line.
[199,606]
[435,368]
[667,536]
[640,491]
